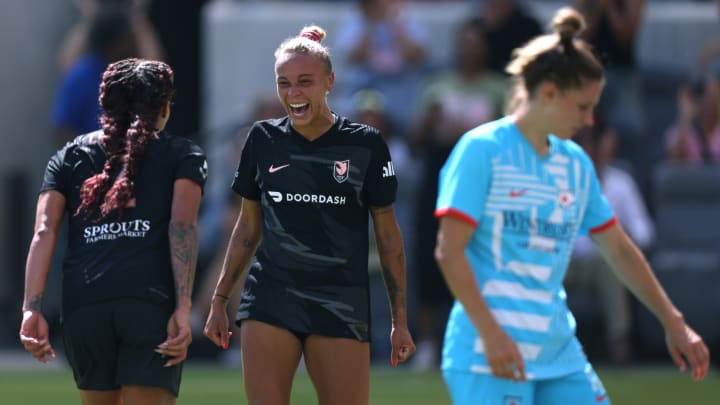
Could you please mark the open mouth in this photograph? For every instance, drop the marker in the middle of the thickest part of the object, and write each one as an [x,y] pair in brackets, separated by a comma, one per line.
[299,109]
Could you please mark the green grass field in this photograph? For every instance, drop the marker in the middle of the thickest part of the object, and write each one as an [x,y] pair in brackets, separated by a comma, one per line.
[210,385]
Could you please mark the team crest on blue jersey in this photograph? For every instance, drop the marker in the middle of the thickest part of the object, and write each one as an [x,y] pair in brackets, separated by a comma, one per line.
[566,198]
[341,170]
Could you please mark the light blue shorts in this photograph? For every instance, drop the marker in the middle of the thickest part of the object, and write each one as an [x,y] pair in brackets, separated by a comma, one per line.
[581,388]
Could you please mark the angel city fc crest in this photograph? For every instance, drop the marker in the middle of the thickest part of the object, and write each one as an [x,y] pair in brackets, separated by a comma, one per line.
[341,170]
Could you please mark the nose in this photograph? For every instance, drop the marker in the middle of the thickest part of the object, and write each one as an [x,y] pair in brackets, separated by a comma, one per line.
[292,90]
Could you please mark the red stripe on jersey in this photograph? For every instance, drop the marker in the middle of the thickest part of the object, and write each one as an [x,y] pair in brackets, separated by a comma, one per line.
[605,226]
[439,213]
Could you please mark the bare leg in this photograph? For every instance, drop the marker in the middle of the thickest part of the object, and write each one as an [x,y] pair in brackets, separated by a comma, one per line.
[91,397]
[270,356]
[339,369]
[140,395]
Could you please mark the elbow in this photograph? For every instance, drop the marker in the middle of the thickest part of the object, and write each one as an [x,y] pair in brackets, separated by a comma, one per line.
[44,232]
[442,256]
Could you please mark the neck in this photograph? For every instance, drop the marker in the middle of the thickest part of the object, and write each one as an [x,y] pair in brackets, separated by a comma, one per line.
[318,127]
[532,128]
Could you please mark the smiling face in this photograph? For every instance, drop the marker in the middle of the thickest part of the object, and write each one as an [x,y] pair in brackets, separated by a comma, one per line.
[567,111]
[303,82]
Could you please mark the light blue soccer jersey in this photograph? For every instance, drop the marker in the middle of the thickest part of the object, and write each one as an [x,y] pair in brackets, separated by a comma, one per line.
[526,211]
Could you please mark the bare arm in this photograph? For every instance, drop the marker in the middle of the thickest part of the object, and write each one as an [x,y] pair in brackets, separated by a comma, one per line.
[244,240]
[183,233]
[183,236]
[629,264]
[502,353]
[392,260]
[48,222]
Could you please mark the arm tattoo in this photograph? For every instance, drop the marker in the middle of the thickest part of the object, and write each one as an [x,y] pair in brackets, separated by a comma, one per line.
[35,303]
[184,252]
[393,289]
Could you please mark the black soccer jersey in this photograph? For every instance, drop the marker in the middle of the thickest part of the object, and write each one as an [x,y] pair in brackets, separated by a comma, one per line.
[126,256]
[315,197]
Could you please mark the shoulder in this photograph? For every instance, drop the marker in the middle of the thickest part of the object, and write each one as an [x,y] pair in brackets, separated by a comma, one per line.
[269,128]
[360,133]
[573,150]
[88,143]
[83,148]
[180,146]
[493,134]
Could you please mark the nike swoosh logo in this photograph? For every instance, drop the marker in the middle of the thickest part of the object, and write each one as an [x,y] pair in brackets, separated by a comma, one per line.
[273,169]
[517,193]
[600,398]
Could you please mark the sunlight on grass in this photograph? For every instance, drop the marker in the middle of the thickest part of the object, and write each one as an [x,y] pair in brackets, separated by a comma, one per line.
[203,385]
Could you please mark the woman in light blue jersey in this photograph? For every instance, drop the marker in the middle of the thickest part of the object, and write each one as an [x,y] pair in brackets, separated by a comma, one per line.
[513,196]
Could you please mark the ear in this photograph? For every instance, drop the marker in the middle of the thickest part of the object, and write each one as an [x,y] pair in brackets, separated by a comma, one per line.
[331,81]
[165,111]
[547,91]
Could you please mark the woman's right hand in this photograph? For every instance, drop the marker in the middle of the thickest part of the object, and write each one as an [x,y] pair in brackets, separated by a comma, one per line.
[503,355]
[34,335]
[217,325]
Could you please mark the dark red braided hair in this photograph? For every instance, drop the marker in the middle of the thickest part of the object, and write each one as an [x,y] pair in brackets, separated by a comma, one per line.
[132,95]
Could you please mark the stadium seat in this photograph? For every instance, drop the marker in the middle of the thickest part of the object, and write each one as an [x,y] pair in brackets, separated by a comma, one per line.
[687,207]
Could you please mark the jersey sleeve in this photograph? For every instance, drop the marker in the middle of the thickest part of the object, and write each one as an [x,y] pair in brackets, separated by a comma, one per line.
[245,182]
[56,176]
[465,181]
[598,213]
[193,165]
[380,180]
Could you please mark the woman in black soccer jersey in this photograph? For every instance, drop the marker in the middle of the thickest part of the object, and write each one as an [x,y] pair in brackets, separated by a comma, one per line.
[307,182]
[132,194]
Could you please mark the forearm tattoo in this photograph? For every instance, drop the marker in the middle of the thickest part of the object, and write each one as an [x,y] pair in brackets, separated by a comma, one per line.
[35,303]
[184,252]
[394,291]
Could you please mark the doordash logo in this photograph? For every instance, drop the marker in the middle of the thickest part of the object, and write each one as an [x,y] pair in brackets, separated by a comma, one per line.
[279,197]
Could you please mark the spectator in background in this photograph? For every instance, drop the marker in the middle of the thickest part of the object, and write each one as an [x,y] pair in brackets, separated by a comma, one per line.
[710,50]
[384,49]
[452,103]
[76,109]
[695,137]
[508,25]
[78,40]
[612,30]
[588,270]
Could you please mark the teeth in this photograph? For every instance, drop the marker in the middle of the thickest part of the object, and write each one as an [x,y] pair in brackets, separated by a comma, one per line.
[298,105]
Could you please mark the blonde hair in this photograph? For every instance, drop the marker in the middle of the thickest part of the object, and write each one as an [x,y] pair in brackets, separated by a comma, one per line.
[559,57]
[308,41]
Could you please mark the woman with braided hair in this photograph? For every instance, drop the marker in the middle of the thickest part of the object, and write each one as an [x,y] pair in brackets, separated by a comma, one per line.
[309,182]
[514,193]
[132,194]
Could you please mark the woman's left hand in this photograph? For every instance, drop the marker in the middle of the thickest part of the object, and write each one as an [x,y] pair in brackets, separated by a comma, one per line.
[687,347]
[402,345]
[178,340]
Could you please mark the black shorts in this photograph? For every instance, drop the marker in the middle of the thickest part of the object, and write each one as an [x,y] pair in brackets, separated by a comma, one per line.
[112,343]
[334,311]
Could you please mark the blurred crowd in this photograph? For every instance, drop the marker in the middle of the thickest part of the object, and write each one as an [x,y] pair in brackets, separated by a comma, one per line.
[422,108]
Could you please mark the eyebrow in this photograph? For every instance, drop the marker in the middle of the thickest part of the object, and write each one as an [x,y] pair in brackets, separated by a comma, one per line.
[301,76]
